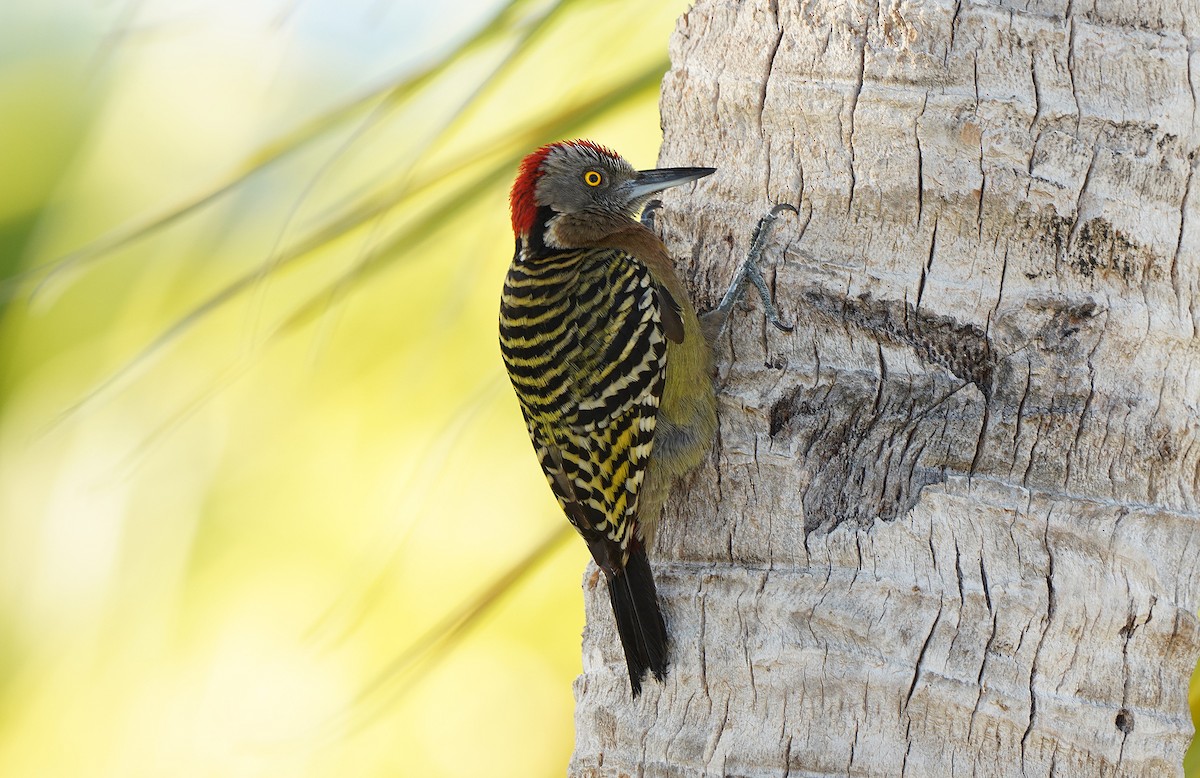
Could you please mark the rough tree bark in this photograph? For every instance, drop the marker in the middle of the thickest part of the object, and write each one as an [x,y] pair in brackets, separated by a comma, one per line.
[950,523]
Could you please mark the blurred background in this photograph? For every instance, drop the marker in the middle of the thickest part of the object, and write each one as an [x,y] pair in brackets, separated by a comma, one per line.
[267,506]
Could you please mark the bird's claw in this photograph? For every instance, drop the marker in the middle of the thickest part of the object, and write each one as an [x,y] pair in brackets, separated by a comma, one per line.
[648,213]
[750,271]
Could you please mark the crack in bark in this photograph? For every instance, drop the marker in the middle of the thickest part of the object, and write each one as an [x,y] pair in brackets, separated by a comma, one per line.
[1087,404]
[1037,100]
[921,176]
[982,188]
[718,732]
[1020,421]
[1191,51]
[1069,17]
[853,745]
[958,575]
[1079,218]
[921,656]
[1125,719]
[1037,653]
[762,94]
[861,45]
[682,724]
[981,440]
[987,648]
[1183,210]
[987,327]
[925,271]
[953,31]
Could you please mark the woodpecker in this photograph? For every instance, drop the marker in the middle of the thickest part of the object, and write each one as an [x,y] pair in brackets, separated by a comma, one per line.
[610,364]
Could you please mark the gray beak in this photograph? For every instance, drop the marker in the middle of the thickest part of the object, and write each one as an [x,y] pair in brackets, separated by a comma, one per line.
[650,181]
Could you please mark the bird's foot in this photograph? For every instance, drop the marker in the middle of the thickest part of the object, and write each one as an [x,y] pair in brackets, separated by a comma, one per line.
[648,213]
[715,319]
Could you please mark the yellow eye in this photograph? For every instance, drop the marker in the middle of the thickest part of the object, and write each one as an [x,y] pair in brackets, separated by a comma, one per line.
[592,178]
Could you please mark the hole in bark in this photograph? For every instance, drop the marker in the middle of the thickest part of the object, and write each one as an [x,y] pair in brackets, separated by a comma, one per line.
[786,408]
[964,349]
[1124,721]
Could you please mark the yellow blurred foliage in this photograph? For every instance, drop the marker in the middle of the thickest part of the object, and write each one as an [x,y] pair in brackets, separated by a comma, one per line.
[256,446]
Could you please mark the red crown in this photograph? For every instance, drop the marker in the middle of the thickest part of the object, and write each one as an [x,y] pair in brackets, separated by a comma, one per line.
[521,199]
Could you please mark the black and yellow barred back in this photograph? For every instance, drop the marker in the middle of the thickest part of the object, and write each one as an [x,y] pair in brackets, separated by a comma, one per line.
[582,336]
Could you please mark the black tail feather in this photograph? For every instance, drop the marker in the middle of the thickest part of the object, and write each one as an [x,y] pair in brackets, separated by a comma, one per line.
[639,621]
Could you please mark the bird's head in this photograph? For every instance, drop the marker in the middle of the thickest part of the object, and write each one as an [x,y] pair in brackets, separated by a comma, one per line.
[573,192]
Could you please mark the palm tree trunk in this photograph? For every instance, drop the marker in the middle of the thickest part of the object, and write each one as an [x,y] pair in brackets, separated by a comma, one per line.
[950,525]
